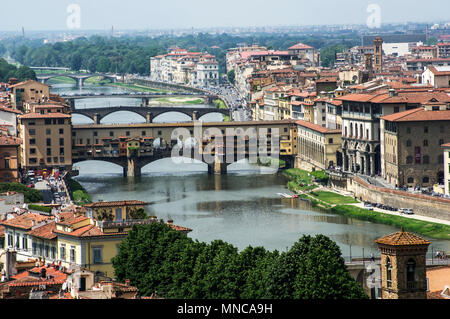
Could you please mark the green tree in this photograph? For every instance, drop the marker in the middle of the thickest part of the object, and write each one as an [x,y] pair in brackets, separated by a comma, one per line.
[231,76]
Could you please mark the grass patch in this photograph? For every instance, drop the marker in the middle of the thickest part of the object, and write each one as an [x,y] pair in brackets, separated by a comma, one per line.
[140,88]
[180,100]
[77,193]
[433,230]
[333,198]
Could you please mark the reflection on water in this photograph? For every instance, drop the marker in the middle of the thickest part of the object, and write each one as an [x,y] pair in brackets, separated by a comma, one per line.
[242,208]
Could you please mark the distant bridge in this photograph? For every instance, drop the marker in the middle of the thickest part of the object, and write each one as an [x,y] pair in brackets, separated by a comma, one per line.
[78,77]
[145,97]
[149,113]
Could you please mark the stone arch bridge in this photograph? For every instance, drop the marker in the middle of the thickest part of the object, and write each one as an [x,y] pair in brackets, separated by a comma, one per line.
[149,113]
[78,77]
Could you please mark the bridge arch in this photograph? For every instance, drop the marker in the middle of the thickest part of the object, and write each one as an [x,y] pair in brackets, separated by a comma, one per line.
[79,118]
[109,165]
[125,115]
[166,117]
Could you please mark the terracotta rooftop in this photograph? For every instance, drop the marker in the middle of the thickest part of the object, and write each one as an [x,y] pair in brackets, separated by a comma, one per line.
[317,128]
[300,46]
[418,115]
[25,221]
[6,140]
[402,238]
[45,231]
[47,115]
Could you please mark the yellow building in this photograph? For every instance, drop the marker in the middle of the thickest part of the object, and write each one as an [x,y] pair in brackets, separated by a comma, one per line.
[28,91]
[446,167]
[46,137]
[116,210]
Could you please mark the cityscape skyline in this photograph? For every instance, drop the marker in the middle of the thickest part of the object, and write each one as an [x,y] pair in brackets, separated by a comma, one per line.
[200,14]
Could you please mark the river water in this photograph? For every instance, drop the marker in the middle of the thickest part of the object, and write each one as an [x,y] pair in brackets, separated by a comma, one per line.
[241,208]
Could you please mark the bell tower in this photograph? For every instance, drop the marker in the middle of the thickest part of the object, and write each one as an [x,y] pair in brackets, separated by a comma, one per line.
[403,266]
[378,54]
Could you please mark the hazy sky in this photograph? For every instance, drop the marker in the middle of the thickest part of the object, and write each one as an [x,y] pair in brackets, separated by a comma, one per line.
[151,14]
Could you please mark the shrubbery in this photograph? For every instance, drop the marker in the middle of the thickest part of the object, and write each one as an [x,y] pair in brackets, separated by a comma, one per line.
[30,195]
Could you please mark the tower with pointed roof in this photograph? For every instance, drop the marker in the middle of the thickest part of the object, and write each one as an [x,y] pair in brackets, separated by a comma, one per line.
[403,266]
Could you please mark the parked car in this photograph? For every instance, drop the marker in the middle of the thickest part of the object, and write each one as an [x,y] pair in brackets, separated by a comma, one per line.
[407,211]
[368,206]
[31,185]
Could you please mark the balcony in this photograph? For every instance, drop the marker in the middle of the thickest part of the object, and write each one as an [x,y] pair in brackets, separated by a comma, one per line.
[124,223]
[411,285]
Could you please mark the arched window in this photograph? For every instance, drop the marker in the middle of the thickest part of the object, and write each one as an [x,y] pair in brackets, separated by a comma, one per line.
[388,272]
[410,273]
[351,129]
[409,160]
[361,132]
[408,143]
[410,180]
[425,179]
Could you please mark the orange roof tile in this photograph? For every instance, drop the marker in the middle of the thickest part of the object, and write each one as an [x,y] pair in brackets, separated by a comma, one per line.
[47,115]
[418,115]
[25,221]
[316,127]
[45,231]
[402,238]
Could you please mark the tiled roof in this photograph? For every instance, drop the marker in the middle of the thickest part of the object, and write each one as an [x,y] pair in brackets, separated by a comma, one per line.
[115,203]
[417,115]
[316,127]
[26,82]
[445,145]
[9,109]
[402,238]
[45,231]
[9,140]
[25,221]
[300,46]
[47,115]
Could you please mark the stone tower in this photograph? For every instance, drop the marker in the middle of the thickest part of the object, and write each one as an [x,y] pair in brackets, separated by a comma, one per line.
[403,266]
[378,54]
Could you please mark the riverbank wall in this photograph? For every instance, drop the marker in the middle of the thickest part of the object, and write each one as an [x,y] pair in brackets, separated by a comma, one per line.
[424,205]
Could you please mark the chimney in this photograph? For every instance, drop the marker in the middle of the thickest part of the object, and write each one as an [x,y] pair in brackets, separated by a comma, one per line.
[127,282]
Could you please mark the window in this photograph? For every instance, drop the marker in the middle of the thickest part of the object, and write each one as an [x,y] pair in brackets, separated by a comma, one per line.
[53,252]
[425,129]
[48,121]
[409,160]
[41,250]
[396,109]
[25,242]
[32,141]
[118,214]
[159,133]
[441,141]
[410,274]
[34,248]
[49,142]
[33,160]
[32,131]
[426,159]
[32,151]
[61,159]
[408,130]
[49,159]
[72,254]
[62,252]
[388,272]
[408,143]
[60,121]
[49,151]
[127,133]
[111,133]
[61,142]
[442,129]
[425,180]
[425,142]
[61,131]
[61,151]
[55,159]
[330,141]
[97,253]
[17,241]
[48,131]
[441,159]
[47,251]
[95,133]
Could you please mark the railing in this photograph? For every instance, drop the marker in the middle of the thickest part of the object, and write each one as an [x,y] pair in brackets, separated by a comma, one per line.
[124,223]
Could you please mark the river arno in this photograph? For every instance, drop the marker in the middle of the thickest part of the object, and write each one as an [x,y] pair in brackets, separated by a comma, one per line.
[241,208]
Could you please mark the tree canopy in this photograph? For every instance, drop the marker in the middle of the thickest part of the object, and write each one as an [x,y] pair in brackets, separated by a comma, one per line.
[8,71]
[132,54]
[158,259]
